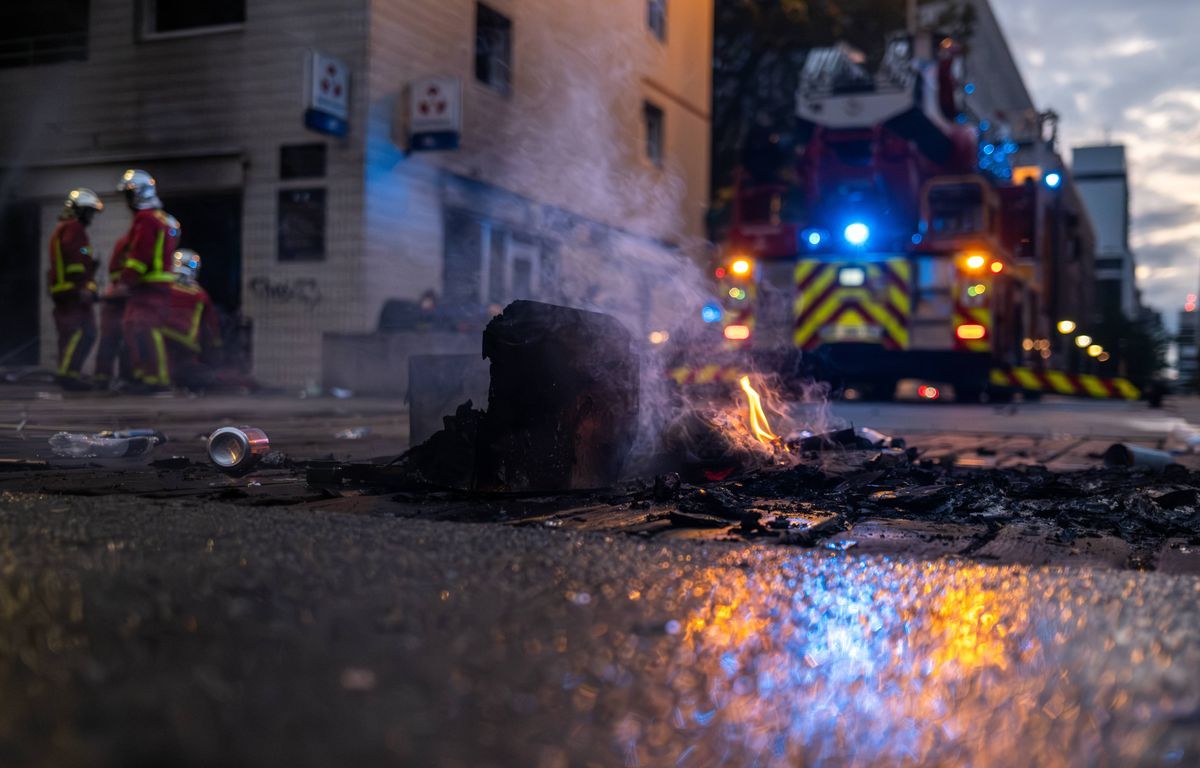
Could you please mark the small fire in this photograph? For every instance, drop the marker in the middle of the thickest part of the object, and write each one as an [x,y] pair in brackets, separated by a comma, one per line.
[758,419]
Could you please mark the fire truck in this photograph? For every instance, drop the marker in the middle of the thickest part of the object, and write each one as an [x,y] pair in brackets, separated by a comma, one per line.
[895,242]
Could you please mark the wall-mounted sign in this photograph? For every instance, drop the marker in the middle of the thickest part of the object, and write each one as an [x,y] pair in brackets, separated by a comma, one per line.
[327,107]
[435,113]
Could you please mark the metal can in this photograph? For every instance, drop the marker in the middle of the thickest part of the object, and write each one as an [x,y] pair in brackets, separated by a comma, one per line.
[236,450]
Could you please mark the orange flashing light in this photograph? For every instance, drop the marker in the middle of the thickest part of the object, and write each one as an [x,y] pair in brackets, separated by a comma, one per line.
[997,267]
[740,267]
[971,332]
[737,332]
[975,262]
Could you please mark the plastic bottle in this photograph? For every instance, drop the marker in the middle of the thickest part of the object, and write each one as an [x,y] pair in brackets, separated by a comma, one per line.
[76,446]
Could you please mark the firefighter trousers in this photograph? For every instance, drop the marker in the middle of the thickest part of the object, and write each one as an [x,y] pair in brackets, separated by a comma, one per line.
[112,340]
[145,317]
[76,325]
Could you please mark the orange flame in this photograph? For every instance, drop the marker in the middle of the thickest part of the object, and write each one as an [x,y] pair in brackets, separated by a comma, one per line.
[758,419]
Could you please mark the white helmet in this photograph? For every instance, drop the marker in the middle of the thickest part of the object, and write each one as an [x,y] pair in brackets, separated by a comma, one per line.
[83,198]
[185,263]
[140,190]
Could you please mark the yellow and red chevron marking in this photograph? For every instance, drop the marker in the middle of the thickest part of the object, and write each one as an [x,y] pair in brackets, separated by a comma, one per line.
[884,301]
[1074,384]
[972,316]
[706,374]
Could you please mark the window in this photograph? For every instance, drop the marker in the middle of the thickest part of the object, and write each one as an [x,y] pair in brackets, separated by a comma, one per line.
[488,263]
[302,161]
[653,117]
[656,18]
[169,18]
[493,48]
[44,32]
[301,228]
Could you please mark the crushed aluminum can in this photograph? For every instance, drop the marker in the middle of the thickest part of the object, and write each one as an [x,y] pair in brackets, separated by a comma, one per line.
[235,450]
[1126,455]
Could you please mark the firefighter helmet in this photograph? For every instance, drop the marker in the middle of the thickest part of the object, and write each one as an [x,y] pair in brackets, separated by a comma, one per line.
[140,190]
[185,263]
[83,198]
[81,203]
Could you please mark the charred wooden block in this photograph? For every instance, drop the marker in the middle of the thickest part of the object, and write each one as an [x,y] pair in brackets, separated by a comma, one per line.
[563,403]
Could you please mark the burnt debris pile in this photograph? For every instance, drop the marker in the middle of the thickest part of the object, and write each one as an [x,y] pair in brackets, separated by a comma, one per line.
[562,409]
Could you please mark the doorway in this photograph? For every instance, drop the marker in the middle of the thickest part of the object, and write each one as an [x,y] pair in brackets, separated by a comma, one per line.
[20,287]
[212,227]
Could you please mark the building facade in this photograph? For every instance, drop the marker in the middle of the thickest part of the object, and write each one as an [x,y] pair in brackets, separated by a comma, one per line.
[1102,177]
[580,173]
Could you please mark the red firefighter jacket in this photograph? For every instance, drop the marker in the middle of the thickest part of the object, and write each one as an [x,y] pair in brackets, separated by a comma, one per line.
[72,266]
[142,257]
[192,320]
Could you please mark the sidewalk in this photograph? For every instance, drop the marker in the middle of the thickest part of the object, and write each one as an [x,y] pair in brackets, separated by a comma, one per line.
[304,428]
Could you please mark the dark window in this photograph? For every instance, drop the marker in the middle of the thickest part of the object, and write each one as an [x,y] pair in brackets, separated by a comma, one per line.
[657,18]
[44,32]
[655,128]
[301,225]
[302,161]
[493,48]
[1110,263]
[169,16]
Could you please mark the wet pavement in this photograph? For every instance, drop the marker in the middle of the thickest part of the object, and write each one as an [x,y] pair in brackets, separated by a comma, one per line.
[190,633]
[174,616]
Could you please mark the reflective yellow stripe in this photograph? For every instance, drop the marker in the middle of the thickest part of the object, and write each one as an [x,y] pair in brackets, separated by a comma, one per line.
[164,376]
[178,337]
[818,315]
[1093,386]
[900,300]
[135,265]
[197,313]
[64,365]
[75,268]
[881,316]
[60,283]
[1027,379]
[1126,389]
[1060,383]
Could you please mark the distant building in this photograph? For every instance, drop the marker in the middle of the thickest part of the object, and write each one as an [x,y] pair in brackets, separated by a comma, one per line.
[580,172]
[1102,177]
[1187,348]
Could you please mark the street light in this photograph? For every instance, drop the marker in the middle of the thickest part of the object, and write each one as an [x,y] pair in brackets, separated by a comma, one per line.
[1066,326]
[1083,342]
[1095,350]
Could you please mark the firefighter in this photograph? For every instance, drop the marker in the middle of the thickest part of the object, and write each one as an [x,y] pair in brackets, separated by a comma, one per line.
[72,282]
[145,277]
[110,352]
[192,329]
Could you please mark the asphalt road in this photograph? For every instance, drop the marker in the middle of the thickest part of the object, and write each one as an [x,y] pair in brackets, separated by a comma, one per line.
[176,631]
[187,634]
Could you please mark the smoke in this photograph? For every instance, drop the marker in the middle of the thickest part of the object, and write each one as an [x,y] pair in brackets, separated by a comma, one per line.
[635,249]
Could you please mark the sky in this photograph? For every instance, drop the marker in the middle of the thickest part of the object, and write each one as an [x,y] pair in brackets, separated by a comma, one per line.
[1128,72]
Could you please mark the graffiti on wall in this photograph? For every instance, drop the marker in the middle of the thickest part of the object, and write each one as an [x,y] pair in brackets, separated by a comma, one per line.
[303,290]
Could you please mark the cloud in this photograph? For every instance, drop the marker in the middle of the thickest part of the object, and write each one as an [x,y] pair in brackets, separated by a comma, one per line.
[1168,218]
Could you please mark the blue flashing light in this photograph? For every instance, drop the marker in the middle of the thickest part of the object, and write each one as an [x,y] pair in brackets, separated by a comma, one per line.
[985,126]
[917,238]
[989,149]
[1053,180]
[814,238]
[857,233]
[711,313]
[961,119]
[969,88]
